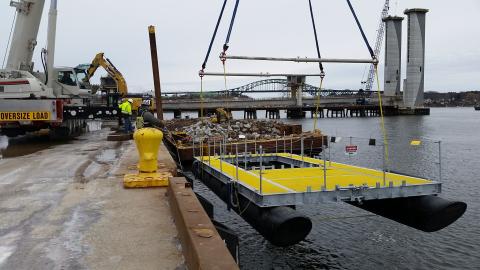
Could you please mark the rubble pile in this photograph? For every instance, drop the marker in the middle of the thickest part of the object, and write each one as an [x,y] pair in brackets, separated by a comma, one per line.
[252,129]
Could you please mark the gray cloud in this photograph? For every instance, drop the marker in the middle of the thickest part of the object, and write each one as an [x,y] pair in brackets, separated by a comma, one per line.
[265,28]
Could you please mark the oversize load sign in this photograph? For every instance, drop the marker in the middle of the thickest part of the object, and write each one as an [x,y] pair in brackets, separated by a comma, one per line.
[24,116]
[351,150]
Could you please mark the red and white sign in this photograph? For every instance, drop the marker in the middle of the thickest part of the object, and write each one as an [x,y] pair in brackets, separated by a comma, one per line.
[351,150]
[14,82]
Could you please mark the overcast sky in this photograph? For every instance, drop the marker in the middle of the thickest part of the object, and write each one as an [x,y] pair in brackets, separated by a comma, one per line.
[280,28]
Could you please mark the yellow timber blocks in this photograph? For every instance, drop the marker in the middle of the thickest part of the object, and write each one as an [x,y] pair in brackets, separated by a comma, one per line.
[144,180]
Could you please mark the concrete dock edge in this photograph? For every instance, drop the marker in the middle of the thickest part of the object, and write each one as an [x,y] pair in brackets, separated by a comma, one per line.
[202,246]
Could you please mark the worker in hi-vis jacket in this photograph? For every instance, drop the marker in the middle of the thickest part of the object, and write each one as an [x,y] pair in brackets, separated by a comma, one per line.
[126,110]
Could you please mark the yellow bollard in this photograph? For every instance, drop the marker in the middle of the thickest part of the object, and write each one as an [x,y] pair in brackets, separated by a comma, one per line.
[148,141]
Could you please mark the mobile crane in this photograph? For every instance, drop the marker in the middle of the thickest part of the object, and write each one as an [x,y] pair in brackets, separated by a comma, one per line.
[57,99]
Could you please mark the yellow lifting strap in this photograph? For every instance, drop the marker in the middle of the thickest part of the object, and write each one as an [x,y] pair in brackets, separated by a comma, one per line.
[201,96]
[227,106]
[382,120]
[317,104]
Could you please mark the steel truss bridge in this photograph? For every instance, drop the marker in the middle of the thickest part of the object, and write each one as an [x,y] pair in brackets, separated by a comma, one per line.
[278,86]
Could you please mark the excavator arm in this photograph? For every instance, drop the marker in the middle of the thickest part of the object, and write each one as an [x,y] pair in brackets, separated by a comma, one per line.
[101,61]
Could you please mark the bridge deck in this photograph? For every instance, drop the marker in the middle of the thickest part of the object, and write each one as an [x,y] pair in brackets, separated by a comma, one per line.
[303,181]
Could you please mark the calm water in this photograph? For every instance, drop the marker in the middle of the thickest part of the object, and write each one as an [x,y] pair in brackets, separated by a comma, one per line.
[342,239]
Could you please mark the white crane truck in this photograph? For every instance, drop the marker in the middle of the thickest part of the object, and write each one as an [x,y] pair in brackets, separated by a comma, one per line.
[59,98]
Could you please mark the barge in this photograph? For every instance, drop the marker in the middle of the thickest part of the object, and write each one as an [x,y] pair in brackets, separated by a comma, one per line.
[265,188]
[184,142]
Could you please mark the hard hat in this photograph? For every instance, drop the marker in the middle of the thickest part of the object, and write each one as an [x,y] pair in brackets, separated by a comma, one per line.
[130,100]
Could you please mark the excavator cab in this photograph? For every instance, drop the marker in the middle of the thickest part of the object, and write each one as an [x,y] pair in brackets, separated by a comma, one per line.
[82,78]
[70,81]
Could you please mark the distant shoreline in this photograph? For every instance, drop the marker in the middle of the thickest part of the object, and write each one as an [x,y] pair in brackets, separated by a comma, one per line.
[450,106]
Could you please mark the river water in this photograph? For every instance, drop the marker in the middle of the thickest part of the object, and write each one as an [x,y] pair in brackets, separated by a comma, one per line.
[344,237]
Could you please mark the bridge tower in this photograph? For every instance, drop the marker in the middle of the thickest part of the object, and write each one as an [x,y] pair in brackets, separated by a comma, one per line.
[393,55]
[415,82]
[296,83]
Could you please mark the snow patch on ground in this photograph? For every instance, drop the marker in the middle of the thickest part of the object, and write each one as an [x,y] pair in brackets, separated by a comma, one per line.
[68,250]
[107,156]
[94,125]
[5,252]
[8,246]
[10,177]
[3,142]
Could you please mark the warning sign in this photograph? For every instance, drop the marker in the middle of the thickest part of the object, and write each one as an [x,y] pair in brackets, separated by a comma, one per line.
[24,116]
[351,150]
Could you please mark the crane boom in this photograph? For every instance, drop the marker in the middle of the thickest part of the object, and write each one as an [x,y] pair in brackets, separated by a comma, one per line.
[101,61]
[24,39]
[378,44]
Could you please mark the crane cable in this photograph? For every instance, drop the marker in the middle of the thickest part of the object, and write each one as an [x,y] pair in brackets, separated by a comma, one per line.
[223,55]
[374,57]
[223,59]
[204,64]
[382,118]
[232,21]
[322,73]
[372,54]
[9,39]
[315,33]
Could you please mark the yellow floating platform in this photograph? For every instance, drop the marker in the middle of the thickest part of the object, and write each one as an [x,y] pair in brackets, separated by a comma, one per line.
[144,180]
[304,175]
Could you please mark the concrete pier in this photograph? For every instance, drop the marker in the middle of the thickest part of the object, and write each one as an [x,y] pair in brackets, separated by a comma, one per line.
[337,112]
[65,207]
[296,113]
[177,114]
[250,114]
[272,113]
[206,113]
[354,111]
[321,114]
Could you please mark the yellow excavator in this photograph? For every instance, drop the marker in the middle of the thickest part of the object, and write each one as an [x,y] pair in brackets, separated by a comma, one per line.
[114,85]
[113,72]
[222,115]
